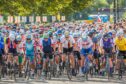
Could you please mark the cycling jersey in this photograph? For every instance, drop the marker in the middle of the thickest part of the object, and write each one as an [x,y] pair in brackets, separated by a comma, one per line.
[107,44]
[20,48]
[29,48]
[1,43]
[67,43]
[47,46]
[85,44]
[121,44]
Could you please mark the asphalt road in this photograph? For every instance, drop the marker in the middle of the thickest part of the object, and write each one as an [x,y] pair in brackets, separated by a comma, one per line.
[64,80]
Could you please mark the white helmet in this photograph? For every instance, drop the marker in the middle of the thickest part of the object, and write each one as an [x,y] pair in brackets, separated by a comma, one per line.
[119,34]
[18,38]
[12,37]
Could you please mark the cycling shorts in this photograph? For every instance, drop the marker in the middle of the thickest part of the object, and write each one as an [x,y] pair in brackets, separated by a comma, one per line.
[13,51]
[1,59]
[96,54]
[85,52]
[122,53]
[48,54]
[67,50]
[108,51]
[77,53]
[2,50]
[20,58]
[31,58]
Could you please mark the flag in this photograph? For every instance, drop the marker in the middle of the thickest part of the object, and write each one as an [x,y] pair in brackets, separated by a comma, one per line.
[99,19]
[38,19]
[44,18]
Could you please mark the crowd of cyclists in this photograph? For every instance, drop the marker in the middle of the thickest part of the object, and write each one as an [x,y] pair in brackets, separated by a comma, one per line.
[96,45]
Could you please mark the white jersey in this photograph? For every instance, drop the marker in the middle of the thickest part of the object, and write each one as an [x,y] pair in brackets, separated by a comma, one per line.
[85,44]
[20,48]
[65,42]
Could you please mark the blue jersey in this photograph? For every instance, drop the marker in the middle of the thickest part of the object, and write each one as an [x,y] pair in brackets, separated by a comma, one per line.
[108,43]
[47,46]
[1,43]
[29,49]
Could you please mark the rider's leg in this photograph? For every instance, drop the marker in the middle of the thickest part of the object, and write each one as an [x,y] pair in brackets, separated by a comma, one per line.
[44,64]
[57,59]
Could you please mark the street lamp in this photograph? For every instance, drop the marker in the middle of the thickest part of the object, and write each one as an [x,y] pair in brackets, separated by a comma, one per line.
[118,10]
[114,11]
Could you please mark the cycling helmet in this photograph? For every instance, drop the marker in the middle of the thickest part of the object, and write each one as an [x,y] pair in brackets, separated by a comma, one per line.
[59,32]
[119,34]
[66,33]
[113,32]
[12,37]
[93,31]
[45,36]
[50,34]
[84,37]
[90,33]
[75,35]
[106,35]
[22,31]
[18,38]
[29,37]
[36,35]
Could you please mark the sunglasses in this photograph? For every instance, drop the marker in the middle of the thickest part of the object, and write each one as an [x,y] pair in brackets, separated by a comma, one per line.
[28,39]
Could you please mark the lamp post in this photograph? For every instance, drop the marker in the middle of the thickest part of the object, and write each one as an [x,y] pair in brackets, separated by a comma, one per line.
[118,10]
[114,11]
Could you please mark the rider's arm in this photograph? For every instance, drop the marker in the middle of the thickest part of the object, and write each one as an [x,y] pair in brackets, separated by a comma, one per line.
[101,46]
[90,42]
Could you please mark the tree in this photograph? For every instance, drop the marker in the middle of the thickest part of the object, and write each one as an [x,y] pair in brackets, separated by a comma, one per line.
[52,7]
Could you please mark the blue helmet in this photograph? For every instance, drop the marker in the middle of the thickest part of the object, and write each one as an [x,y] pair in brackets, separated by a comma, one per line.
[106,35]
[29,37]
[84,37]
[59,32]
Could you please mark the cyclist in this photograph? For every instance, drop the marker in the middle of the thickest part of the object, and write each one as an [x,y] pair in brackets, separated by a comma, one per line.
[86,45]
[47,50]
[11,49]
[120,43]
[67,42]
[107,47]
[1,48]
[20,53]
[76,48]
[29,49]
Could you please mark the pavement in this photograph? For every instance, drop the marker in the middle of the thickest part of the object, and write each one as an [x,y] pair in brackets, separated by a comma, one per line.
[64,80]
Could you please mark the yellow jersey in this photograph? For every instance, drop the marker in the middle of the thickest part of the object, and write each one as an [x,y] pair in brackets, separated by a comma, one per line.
[121,44]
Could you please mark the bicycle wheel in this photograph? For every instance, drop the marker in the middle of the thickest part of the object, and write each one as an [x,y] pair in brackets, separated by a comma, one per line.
[76,70]
[120,71]
[69,70]
[0,72]
[48,71]
[27,71]
[15,71]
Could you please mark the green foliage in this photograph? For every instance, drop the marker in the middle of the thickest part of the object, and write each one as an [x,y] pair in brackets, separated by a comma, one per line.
[40,7]
[124,15]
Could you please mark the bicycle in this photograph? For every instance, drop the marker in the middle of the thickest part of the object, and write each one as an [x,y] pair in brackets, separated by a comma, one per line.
[121,69]
[107,66]
[38,68]
[68,67]
[27,69]
[87,66]
[49,67]
[12,68]
[76,69]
